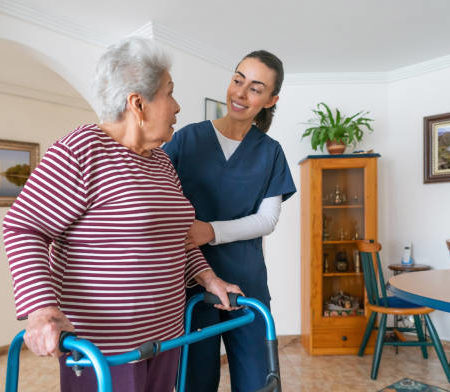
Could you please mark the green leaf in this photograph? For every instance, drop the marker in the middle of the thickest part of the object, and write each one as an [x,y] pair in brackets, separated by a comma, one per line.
[322,116]
[329,114]
[308,132]
[315,140]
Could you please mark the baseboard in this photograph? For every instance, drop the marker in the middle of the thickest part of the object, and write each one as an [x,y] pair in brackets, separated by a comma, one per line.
[4,350]
[283,341]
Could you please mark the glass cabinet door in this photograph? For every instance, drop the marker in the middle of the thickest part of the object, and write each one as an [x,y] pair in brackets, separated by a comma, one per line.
[342,225]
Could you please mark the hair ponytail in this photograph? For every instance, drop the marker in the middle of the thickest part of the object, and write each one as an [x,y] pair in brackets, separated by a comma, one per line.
[263,119]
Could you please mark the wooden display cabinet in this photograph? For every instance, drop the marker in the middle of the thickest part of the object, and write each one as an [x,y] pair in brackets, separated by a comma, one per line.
[338,207]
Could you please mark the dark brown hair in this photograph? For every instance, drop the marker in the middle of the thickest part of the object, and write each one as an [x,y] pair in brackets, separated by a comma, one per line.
[264,118]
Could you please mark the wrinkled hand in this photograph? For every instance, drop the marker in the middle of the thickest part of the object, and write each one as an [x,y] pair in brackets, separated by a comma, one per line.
[200,233]
[212,283]
[43,329]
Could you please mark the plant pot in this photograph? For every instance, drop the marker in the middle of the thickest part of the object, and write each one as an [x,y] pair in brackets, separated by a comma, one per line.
[335,147]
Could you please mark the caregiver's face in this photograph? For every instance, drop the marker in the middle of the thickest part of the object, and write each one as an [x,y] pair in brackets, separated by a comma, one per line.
[250,89]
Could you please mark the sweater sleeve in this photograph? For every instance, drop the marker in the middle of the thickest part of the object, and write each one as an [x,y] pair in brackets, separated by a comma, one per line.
[53,197]
[196,263]
[253,226]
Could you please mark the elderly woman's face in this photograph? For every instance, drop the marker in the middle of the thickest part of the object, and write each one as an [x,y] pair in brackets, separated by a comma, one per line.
[160,113]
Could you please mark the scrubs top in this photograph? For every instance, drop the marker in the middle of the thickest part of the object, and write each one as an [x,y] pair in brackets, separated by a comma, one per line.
[221,189]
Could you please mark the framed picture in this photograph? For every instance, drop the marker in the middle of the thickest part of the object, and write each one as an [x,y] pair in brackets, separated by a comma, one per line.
[436,165]
[17,161]
[214,109]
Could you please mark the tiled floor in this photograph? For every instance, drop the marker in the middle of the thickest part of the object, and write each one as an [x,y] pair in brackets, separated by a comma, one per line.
[299,371]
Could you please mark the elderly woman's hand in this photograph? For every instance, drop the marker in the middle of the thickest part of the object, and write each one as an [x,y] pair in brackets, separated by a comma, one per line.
[43,330]
[200,233]
[212,283]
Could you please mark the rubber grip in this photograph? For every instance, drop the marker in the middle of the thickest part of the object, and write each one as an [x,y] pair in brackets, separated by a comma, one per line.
[214,299]
[62,336]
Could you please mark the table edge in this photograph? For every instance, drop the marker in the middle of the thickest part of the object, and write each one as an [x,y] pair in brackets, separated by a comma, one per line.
[419,300]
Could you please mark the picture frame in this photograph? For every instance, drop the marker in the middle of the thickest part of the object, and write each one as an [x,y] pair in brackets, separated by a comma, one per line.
[214,109]
[436,158]
[17,161]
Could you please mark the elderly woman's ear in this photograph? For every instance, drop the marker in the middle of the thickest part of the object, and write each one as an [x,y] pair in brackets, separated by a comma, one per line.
[136,105]
[134,100]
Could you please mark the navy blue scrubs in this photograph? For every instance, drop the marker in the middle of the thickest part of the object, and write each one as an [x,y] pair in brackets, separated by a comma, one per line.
[221,189]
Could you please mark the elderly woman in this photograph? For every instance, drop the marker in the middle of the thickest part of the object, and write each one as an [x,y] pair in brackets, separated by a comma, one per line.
[96,239]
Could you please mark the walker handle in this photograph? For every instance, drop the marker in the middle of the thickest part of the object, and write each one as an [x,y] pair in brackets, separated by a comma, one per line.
[215,300]
[68,342]
[62,336]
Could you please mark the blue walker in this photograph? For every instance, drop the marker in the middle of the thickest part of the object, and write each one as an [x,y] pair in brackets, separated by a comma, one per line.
[85,353]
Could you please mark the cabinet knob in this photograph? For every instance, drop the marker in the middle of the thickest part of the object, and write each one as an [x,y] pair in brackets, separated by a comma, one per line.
[344,338]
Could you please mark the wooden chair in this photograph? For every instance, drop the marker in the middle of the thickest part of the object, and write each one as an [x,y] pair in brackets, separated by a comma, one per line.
[379,302]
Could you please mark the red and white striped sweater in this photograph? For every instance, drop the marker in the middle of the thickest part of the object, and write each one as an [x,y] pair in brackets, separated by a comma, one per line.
[99,231]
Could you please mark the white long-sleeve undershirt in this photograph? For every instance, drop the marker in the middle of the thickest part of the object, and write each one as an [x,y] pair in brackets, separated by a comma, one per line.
[252,226]
[261,223]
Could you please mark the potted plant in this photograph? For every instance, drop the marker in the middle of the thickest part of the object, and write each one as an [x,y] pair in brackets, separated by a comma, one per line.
[336,132]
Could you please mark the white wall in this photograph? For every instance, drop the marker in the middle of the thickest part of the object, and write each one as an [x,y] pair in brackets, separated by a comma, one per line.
[194,80]
[283,246]
[72,59]
[408,209]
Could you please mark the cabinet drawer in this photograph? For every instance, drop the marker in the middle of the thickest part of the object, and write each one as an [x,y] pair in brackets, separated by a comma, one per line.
[337,338]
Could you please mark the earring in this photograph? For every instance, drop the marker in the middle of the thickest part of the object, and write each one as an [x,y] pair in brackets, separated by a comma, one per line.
[141,123]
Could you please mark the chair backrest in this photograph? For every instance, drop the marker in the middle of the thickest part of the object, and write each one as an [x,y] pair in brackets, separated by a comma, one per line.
[373,273]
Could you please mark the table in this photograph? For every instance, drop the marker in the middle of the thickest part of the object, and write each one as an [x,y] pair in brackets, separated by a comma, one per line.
[399,268]
[425,288]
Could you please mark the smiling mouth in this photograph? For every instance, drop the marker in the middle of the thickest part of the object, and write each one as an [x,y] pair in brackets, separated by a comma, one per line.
[236,106]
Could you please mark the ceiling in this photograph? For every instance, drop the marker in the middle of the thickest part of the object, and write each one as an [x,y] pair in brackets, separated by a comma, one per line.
[311,36]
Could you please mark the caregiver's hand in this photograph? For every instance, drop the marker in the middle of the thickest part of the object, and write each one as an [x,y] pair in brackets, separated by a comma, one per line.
[200,233]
